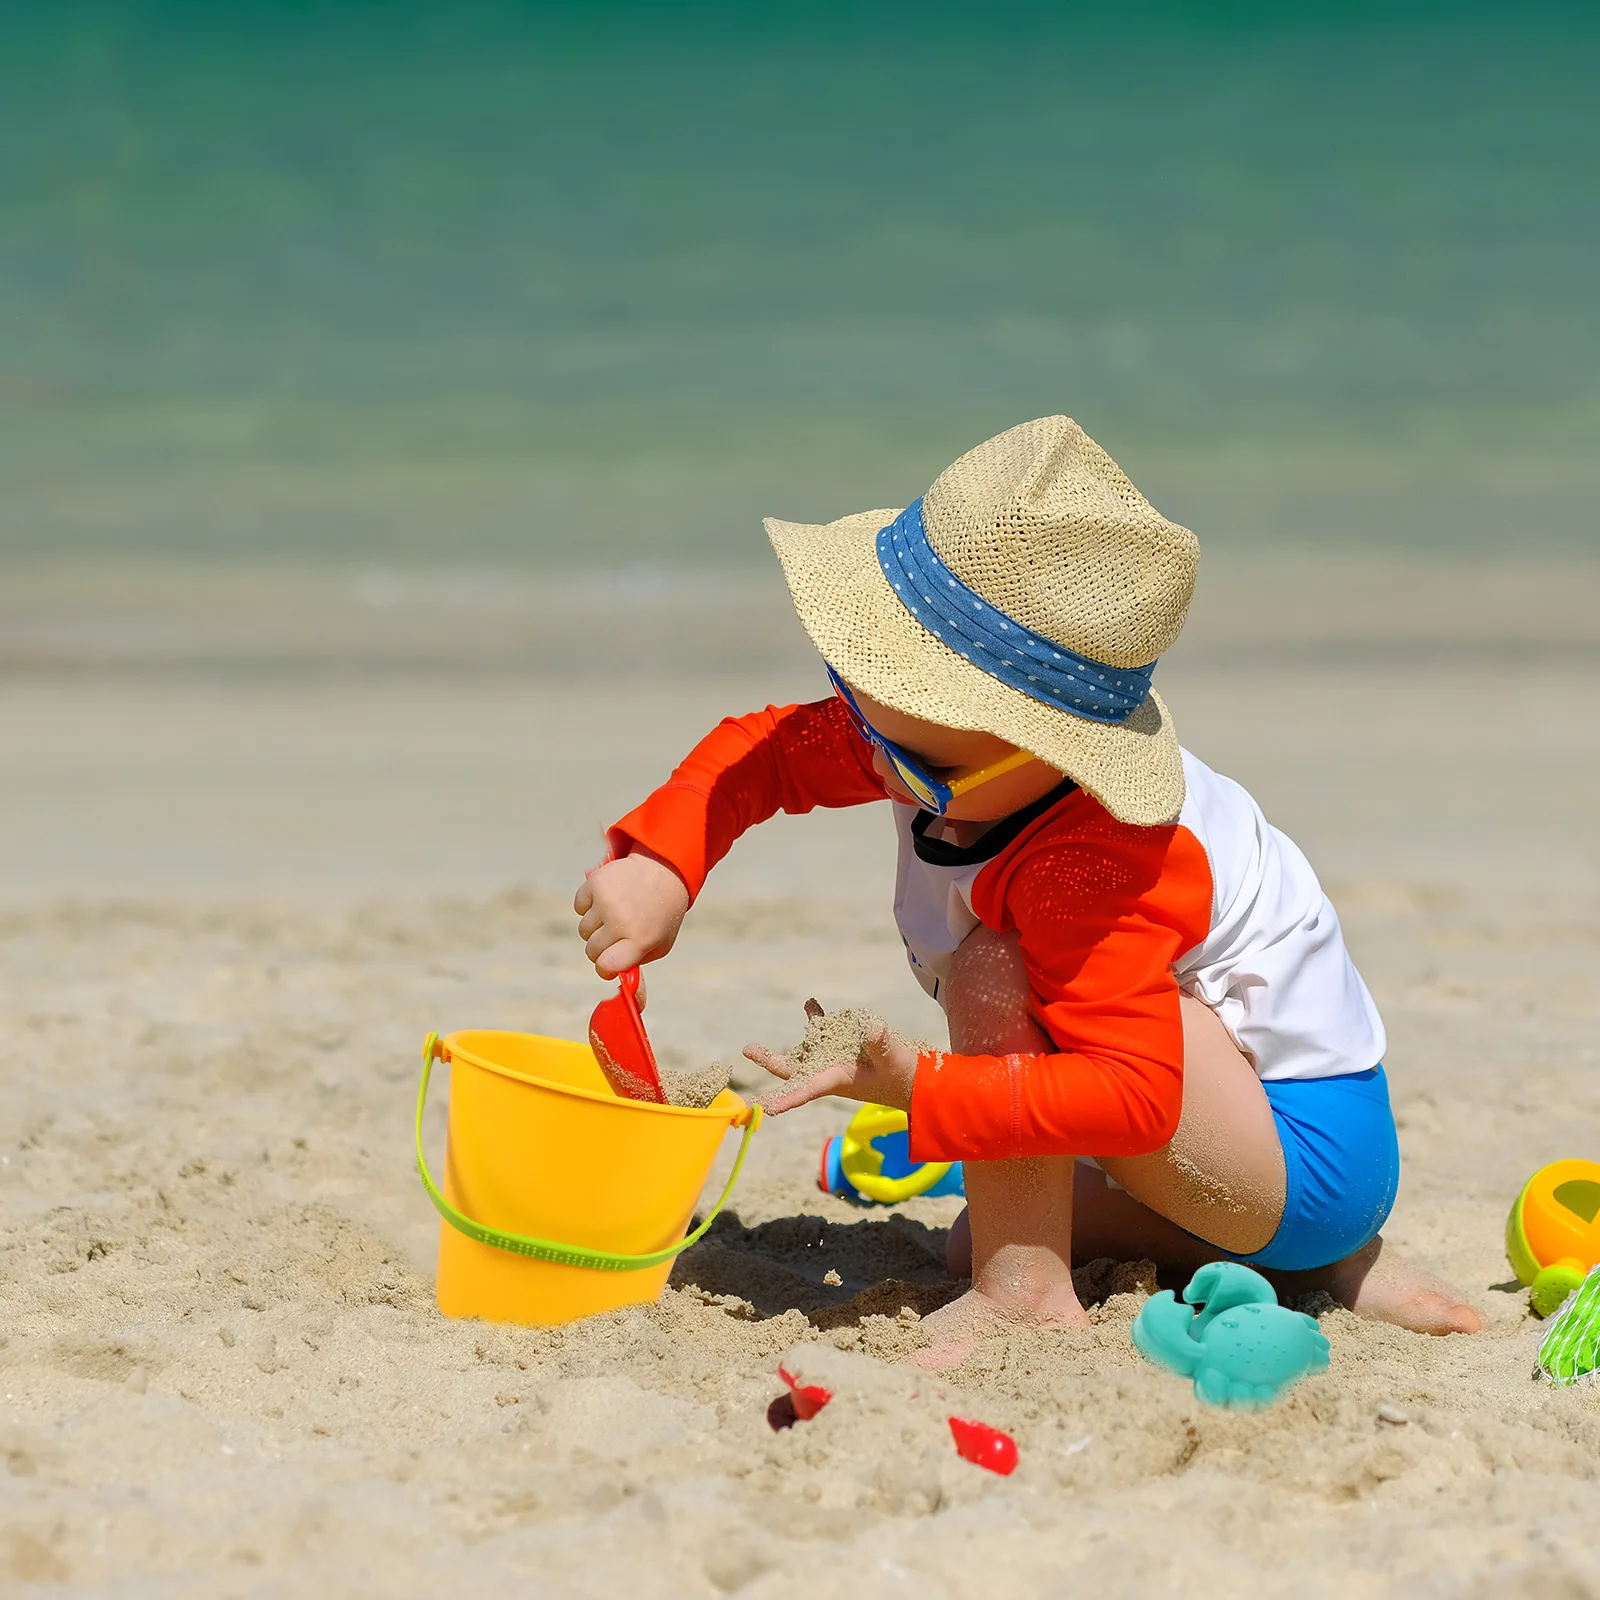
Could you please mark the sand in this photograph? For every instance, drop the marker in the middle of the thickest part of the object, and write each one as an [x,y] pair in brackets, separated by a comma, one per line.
[830,1037]
[235,901]
[696,1087]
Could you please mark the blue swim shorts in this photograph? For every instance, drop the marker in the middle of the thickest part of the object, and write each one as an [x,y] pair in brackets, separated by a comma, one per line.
[1341,1164]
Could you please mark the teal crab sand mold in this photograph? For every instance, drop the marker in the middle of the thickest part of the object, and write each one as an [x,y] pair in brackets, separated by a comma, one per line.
[1241,1347]
[1570,1349]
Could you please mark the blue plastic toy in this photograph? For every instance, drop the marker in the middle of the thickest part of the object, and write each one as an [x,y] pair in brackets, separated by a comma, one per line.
[1241,1347]
[870,1162]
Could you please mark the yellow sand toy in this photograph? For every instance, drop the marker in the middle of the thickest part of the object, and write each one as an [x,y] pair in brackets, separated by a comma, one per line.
[1553,1232]
[870,1162]
[560,1199]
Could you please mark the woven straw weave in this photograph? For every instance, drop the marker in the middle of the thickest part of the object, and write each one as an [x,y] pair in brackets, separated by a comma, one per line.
[1041,522]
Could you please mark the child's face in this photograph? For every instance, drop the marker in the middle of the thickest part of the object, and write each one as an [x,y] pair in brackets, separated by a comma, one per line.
[951,753]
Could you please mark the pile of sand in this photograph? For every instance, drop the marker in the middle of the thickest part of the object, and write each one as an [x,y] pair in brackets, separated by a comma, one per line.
[221,1368]
[830,1037]
[220,1352]
[695,1088]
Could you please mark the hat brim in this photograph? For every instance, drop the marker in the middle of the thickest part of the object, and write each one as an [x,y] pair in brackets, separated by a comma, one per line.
[867,636]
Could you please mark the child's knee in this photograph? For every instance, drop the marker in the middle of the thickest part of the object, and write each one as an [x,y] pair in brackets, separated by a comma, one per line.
[988,999]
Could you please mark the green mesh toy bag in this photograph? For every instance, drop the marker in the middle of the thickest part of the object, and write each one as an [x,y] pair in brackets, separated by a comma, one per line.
[1570,1349]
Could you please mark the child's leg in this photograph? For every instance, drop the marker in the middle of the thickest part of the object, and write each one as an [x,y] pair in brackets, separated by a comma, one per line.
[1374,1282]
[1020,1217]
[1016,1233]
[1222,1176]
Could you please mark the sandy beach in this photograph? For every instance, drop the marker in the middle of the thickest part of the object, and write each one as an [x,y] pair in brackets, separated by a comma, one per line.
[261,831]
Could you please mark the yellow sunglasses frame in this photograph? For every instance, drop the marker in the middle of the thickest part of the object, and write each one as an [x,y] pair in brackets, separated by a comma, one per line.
[915,782]
[1010,763]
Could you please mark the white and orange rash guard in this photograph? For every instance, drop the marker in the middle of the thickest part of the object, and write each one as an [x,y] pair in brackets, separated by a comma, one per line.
[1113,920]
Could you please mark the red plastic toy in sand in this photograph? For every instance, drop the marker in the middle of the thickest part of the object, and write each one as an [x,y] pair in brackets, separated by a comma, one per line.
[622,1047]
[984,1446]
[807,1398]
[976,1442]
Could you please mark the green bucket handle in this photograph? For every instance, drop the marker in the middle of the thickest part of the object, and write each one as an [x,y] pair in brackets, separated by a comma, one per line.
[565,1255]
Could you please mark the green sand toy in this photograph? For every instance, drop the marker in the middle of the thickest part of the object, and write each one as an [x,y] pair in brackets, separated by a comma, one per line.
[1570,1349]
[1241,1348]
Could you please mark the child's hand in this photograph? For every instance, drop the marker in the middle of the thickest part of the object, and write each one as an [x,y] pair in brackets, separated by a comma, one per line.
[882,1073]
[630,911]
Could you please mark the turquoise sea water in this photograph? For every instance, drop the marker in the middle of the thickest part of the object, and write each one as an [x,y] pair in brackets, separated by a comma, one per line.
[448,282]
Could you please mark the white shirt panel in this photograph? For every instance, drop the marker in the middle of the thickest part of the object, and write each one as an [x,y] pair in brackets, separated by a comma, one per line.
[1274,966]
[932,905]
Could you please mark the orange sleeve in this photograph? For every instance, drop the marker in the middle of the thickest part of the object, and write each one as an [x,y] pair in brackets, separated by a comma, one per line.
[1101,916]
[786,758]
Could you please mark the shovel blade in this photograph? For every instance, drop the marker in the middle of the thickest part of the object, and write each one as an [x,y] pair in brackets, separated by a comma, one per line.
[621,1046]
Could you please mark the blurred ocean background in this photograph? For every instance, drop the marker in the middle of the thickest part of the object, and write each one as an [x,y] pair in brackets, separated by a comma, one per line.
[483,285]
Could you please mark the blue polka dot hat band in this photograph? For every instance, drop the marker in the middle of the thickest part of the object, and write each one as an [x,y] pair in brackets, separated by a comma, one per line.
[962,619]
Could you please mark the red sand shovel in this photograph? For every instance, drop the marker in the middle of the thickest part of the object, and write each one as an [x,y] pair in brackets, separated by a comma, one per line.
[622,1047]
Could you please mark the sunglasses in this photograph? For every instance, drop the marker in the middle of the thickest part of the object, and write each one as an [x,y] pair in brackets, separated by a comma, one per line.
[931,793]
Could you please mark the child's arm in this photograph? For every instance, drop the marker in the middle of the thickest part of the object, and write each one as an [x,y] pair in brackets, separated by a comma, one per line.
[630,909]
[785,758]
[1100,921]
[1101,918]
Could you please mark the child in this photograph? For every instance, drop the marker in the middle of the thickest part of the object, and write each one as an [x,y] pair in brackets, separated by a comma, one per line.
[1159,1046]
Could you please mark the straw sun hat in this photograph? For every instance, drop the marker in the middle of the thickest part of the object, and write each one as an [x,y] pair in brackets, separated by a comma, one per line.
[1027,595]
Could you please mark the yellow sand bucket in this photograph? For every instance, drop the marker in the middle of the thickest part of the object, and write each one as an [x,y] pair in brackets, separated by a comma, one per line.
[560,1199]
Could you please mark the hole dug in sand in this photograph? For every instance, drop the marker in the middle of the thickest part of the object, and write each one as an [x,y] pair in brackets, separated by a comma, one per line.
[836,1273]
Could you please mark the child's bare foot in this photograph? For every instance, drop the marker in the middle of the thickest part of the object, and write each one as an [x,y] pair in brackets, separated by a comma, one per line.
[1378,1283]
[956,1330]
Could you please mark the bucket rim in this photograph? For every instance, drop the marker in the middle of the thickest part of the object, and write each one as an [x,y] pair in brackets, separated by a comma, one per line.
[734,1115]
